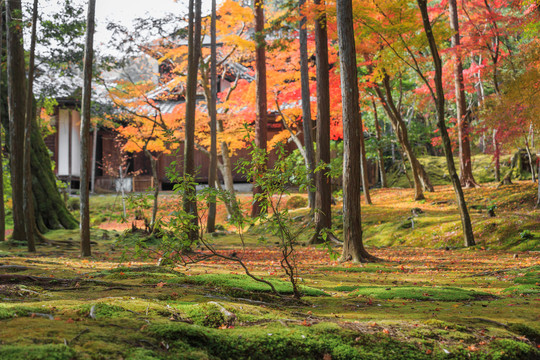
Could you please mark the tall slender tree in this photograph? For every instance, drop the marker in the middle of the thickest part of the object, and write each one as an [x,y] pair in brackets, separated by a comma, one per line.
[465,164]
[306,107]
[438,98]
[194,53]
[353,248]
[323,181]
[212,175]
[28,206]
[16,100]
[2,203]
[85,130]
[262,106]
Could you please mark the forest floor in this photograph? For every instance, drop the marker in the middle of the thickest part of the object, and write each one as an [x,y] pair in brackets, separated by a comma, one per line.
[428,298]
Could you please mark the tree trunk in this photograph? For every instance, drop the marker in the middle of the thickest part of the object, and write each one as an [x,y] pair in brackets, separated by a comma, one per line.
[194,53]
[261,120]
[306,110]
[353,247]
[85,130]
[16,98]
[2,202]
[363,164]
[465,165]
[28,206]
[439,102]
[400,129]
[211,220]
[153,164]
[226,173]
[323,181]
[378,132]
[93,161]
[496,156]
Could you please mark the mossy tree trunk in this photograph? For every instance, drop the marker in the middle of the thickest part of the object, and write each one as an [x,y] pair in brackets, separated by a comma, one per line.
[17,112]
[28,204]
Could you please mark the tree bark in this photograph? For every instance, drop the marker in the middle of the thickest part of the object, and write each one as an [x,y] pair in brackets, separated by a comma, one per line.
[323,181]
[465,165]
[380,154]
[16,99]
[353,247]
[85,130]
[211,220]
[439,102]
[2,202]
[306,110]
[194,53]
[261,120]
[28,206]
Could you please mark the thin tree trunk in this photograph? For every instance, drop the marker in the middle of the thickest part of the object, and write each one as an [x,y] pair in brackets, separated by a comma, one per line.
[465,165]
[226,173]
[261,120]
[2,203]
[439,102]
[306,110]
[363,165]
[16,98]
[194,53]
[353,247]
[211,220]
[85,130]
[30,222]
[153,164]
[496,156]
[380,153]
[400,129]
[93,161]
[323,181]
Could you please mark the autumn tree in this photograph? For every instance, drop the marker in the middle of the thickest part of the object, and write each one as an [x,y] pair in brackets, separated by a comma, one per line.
[438,98]
[463,116]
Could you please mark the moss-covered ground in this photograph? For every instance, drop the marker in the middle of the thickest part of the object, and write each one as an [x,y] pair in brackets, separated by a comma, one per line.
[429,298]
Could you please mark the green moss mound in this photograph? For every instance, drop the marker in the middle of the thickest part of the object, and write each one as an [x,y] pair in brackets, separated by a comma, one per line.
[248,284]
[416,293]
[194,342]
[37,352]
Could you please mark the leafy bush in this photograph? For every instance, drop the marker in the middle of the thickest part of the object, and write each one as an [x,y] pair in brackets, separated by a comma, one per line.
[296,202]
